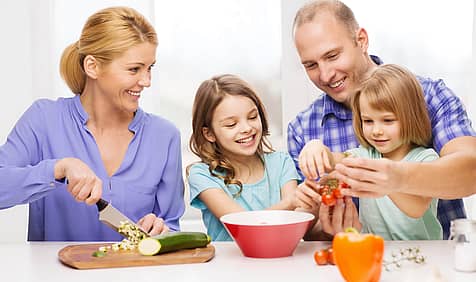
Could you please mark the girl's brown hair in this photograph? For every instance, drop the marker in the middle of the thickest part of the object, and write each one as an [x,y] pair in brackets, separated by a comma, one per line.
[209,95]
[395,89]
[106,35]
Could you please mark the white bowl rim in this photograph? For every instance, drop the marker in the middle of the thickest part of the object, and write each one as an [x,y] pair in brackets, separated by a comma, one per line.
[266,217]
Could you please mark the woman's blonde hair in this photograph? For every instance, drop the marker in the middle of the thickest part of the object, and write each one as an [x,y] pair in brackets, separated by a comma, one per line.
[209,95]
[106,35]
[395,89]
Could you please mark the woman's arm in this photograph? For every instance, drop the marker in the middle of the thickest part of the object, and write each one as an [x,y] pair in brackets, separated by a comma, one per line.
[25,176]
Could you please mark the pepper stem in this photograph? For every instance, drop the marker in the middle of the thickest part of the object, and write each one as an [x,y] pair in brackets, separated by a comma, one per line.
[351,230]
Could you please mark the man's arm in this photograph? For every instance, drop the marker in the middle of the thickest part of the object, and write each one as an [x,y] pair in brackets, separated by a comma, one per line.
[452,176]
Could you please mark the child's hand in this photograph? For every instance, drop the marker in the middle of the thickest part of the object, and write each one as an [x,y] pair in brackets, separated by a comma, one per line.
[307,196]
[315,159]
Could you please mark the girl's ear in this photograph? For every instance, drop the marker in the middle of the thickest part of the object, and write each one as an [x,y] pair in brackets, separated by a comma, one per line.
[91,67]
[208,134]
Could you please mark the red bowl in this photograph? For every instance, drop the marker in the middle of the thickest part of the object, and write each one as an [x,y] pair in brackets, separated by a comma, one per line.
[267,233]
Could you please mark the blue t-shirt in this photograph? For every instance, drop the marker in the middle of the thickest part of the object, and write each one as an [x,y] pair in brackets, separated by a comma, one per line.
[279,169]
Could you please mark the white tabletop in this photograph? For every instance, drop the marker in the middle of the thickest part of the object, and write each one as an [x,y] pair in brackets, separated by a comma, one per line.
[39,262]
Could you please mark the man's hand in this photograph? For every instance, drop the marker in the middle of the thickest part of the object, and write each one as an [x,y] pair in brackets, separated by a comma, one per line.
[341,216]
[371,178]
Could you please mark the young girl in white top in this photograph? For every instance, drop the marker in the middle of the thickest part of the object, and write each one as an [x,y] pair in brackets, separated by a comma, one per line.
[239,170]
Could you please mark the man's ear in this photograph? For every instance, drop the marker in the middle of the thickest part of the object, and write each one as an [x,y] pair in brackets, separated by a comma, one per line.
[362,39]
[91,66]
[208,134]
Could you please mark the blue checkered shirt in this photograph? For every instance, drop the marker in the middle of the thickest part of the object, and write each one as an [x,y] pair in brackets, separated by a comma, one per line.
[331,122]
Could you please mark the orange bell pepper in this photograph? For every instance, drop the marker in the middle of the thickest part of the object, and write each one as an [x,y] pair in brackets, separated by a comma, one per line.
[358,256]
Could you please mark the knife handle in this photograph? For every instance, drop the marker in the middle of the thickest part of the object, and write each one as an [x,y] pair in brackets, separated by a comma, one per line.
[101,204]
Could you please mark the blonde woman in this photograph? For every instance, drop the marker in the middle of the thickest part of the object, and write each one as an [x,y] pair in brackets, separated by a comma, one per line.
[62,156]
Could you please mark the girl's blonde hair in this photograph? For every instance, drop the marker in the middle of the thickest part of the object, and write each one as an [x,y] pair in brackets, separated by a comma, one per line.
[106,35]
[395,89]
[209,95]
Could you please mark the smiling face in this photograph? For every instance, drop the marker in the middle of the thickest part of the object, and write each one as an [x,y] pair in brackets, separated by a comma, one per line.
[382,131]
[120,82]
[236,127]
[334,58]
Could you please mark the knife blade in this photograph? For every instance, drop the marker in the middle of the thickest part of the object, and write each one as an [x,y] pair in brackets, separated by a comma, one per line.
[113,218]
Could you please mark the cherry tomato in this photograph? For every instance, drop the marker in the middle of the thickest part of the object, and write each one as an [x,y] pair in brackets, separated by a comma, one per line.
[321,256]
[328,200]
[337,193]
[330,256]
[343,185]
[323,191]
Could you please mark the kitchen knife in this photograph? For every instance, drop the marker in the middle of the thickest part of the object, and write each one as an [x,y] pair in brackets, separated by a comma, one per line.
[113,218]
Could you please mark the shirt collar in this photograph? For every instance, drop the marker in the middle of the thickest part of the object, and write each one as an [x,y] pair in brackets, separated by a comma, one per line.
[376,59]
[83,115]
[78,107]
[339,110]
[136,122]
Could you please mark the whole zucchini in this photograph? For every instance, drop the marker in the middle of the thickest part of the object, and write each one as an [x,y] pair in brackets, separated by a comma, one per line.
[174,241]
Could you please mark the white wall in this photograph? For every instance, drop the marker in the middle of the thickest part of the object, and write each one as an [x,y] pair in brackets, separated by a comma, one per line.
[16,80]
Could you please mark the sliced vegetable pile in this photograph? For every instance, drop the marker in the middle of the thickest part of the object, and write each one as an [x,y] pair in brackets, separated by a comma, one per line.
[133,235]
[169,242]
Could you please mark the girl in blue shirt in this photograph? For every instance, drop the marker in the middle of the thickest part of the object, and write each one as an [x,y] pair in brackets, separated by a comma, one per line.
[239,170]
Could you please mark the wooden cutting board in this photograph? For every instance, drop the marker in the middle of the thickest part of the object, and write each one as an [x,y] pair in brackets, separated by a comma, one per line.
[80,257]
